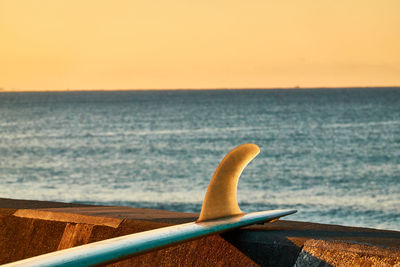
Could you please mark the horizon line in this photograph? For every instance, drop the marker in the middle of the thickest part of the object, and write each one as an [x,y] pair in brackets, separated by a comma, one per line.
[3,90]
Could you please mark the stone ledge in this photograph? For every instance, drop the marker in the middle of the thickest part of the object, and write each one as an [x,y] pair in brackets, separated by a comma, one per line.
[345,253]
[282,243]
[67,217]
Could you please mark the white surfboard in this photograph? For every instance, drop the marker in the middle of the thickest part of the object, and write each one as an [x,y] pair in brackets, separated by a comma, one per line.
[220,213]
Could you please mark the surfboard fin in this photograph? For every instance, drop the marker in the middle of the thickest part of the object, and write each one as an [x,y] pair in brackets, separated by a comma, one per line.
[220,199]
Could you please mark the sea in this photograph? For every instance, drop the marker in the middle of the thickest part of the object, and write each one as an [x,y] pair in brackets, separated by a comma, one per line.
[332,154]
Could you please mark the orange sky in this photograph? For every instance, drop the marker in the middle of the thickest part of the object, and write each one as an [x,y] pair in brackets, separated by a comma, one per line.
[129,44]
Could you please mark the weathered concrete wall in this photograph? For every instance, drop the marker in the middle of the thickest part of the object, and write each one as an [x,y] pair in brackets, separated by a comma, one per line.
[30,228]
[340,253]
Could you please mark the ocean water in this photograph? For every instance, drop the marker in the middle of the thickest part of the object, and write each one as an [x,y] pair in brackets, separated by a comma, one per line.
[332,154]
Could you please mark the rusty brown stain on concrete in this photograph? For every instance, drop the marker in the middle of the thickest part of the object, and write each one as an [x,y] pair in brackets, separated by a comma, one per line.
[75,235]
[67,217]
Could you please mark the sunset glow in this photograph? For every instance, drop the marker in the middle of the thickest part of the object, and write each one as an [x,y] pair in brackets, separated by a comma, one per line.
[100,44]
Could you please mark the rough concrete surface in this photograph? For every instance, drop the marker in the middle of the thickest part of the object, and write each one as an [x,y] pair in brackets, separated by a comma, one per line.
[30,228]
[345,253]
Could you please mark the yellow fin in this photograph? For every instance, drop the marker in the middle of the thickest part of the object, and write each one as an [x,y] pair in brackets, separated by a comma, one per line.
[221,200]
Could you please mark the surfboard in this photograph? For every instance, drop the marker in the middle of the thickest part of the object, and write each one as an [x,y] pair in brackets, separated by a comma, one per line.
[220,213]
[119,248]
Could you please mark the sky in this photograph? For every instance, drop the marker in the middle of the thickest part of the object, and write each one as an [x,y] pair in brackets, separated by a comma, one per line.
[185,44]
